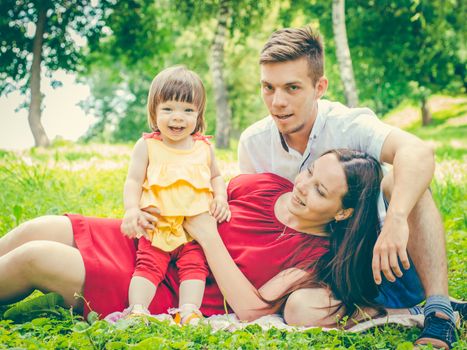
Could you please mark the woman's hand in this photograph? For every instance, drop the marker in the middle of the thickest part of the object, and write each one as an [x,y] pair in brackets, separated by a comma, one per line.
[201,226]
[136,221]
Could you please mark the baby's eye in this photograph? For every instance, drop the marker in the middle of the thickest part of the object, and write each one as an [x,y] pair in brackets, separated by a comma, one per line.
[166,109]
[189,110]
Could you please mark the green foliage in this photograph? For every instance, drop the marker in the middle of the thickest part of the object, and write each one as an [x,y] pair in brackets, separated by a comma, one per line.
[62,179]
[33,308]
[60,50]
[399,48]
[418,46]
[70,332]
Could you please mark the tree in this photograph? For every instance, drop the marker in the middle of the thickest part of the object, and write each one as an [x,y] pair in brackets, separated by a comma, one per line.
[52,45]
[224,114]
[343,53]
[418,43]
[231,16]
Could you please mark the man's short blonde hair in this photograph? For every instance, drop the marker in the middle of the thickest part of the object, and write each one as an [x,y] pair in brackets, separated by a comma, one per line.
[290,44]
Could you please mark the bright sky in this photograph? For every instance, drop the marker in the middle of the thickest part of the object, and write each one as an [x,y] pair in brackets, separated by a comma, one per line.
[61,116]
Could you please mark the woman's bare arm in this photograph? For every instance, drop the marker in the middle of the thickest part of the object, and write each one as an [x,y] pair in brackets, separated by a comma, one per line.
[242,296]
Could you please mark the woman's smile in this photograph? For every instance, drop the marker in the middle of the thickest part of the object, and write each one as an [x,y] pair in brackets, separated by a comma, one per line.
[297,200]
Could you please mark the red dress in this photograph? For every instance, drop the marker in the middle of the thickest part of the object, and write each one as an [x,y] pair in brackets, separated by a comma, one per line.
[259,244]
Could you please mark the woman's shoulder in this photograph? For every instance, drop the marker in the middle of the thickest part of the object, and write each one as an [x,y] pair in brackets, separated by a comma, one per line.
[264,183]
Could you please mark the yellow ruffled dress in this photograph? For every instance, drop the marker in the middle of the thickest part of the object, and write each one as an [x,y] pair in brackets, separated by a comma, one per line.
[178,182]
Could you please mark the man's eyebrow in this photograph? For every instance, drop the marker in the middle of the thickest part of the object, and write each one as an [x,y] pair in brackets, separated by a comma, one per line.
[297,82]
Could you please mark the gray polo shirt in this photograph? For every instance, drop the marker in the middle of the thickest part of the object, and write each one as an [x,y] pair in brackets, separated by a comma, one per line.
[263,149]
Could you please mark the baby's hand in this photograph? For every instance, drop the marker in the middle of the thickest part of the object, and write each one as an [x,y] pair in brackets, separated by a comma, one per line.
[220,209]
[136,222]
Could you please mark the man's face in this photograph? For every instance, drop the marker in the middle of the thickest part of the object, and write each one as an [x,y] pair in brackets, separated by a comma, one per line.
[290,95]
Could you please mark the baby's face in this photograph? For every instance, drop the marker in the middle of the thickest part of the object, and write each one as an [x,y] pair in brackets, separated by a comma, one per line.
[176,120]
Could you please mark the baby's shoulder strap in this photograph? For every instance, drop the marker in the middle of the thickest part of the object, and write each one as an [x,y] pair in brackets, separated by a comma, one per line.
[152,135]
[200,137]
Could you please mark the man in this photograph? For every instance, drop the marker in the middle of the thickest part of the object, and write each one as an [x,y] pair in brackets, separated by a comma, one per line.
[301,127]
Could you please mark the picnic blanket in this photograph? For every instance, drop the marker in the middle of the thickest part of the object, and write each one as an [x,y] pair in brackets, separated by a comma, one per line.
[230,322]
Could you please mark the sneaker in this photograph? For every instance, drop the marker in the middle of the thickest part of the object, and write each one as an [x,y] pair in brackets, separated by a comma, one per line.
[438,331]
[33,308]
[139,313]
[460,307]
[191,318]
[138,310]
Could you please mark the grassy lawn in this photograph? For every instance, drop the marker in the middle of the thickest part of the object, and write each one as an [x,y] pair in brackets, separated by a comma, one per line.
[88,179]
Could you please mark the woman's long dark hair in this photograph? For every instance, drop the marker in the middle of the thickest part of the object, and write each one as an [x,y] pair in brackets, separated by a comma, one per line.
[346,268]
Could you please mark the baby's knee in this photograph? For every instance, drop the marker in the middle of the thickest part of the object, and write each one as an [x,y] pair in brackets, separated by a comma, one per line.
[304,308]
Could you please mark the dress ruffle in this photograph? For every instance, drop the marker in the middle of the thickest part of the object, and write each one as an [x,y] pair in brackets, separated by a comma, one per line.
[165,175]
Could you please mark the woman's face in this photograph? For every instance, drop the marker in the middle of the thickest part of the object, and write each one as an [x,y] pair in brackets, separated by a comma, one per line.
[318,191]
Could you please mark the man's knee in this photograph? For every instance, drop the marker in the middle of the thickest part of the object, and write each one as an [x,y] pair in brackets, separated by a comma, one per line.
[307,307]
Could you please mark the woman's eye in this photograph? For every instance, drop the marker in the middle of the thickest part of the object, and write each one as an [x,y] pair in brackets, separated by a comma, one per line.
[293,87]
[319,191]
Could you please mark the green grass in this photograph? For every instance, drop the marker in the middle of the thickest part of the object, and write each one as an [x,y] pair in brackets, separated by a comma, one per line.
[88,179]
[69,332]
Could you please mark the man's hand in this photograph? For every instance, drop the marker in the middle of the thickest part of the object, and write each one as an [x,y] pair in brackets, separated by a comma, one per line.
[390,246]
[136,222]
[220,209]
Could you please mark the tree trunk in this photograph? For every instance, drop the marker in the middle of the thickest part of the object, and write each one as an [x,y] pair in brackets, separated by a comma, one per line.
[426,114]
[34,117]
[223,113]
[343,53]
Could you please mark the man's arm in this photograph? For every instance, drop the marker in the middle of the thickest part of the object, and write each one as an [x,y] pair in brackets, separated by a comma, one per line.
[413,167]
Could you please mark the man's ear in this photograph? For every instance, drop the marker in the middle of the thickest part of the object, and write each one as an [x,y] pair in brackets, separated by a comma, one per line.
[321,86]
[343,214]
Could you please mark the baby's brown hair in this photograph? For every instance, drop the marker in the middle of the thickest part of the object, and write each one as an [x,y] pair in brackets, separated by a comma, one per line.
[177,83]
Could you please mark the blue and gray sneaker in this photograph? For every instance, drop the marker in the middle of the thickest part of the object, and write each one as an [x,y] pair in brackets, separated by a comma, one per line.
[460,307]
[439,331]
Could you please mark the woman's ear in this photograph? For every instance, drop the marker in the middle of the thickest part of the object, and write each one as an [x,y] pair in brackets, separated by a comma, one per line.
[343,214]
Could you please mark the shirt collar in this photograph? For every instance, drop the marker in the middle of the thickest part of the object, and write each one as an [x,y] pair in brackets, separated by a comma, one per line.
[283,142]
[319,122]
[315,130]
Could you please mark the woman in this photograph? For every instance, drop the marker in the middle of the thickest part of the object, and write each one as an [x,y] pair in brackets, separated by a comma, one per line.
[282,242]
